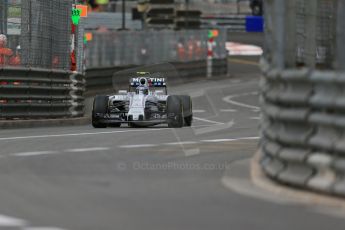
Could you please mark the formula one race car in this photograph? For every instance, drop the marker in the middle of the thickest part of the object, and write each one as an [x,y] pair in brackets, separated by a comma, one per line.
[146,103]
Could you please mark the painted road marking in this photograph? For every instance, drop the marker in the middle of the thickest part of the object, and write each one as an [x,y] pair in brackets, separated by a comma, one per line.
[7,221]
[214,128]
[80,134]
[255,118]
[180,143]
[190,142]
[92,133]
[30,154]
[137,146]
[230,140]
[199,111]
[94,149]
[228,110]
[209,121]
[229,99]
[43,228]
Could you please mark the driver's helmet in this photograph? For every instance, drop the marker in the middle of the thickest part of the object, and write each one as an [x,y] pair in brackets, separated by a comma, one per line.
[143,88]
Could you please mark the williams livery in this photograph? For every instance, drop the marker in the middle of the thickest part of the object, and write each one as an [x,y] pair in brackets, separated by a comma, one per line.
[145,103]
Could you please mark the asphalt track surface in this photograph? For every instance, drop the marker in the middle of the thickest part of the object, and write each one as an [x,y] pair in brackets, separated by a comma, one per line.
[80,178]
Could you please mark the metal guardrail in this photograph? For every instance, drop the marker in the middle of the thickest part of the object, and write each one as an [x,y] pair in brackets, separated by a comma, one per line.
[101,78]
[30,93]
[232,23]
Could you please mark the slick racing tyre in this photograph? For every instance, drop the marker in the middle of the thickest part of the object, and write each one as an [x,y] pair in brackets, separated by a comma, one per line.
[100,105]
[174,112]
[187,110]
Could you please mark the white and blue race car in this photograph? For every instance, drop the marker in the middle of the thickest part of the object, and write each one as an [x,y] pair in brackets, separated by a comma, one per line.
[146,103]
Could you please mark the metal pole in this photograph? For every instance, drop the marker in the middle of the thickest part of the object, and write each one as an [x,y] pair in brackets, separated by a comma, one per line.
[310,33]
[3,18]
[238,6]
[340,37]
[290,30]
[209,62]
[279,34]
[123,14]
[187,13]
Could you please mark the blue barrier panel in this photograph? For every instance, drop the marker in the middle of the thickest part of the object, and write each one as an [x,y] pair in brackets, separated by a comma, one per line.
[254,24]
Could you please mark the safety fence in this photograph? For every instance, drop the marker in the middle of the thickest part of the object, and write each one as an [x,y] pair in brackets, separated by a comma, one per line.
[126,48]
[303,101]
[38,33]
[36,40]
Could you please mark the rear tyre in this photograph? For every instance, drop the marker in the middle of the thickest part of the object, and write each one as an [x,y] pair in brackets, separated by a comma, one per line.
[187,110]
[100,106]
[174,112]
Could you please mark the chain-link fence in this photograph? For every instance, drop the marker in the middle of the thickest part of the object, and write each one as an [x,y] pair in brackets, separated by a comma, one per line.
[38,33]
[146,47]
[305,36]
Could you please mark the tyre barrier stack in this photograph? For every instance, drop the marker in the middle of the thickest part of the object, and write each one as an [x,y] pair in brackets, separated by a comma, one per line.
[302,129]
[33,93]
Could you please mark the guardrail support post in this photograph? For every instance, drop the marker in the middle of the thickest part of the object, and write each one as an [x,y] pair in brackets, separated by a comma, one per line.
[340,37]
[310,32]
[210,57]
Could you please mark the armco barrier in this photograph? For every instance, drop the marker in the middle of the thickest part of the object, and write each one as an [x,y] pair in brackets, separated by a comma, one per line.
[234,23]
[101,78]
[303,125]
[31,93]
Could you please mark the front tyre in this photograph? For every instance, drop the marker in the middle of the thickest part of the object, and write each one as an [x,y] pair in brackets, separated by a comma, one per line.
[187,110]
[174,112]
[100,107]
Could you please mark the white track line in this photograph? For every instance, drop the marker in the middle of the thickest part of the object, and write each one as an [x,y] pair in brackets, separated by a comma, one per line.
[229,99]
[255,118]
[199,111]
[189,142]
[30,154]
[7,221]
[209,121]
[181,143]
[214,128]
[137,146]
[80,134]
[43,228]
[228,110]
[230,140]
[94,149]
